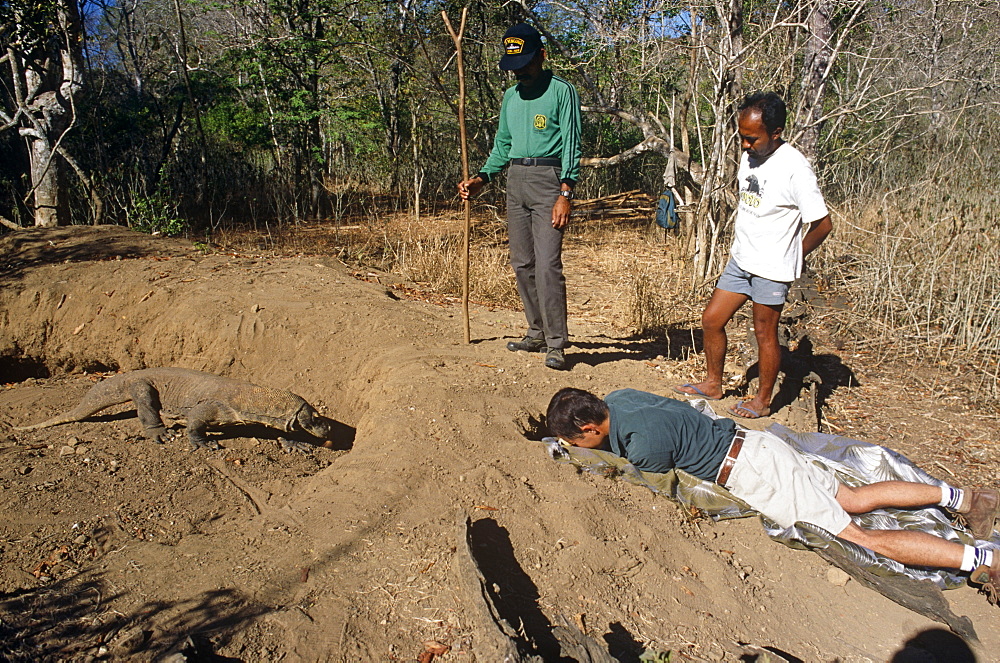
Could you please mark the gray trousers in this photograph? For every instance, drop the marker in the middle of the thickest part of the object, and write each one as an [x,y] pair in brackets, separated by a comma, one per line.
[536,251]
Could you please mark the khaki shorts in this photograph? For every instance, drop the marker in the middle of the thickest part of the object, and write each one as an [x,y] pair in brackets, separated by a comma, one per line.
[778,482]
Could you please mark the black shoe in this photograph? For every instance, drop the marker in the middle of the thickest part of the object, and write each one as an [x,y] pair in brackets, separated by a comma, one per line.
[555,358]
[528,344]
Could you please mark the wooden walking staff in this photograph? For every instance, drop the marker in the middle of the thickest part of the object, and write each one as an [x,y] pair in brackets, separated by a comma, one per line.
[457,38]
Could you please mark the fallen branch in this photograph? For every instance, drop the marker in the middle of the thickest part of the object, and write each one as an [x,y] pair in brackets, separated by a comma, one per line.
[4,221]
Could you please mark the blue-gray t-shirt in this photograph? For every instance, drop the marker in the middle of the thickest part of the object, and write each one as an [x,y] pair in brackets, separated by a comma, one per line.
[657,434]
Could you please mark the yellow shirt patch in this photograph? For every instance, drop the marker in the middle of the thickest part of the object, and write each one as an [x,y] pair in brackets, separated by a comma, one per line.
[540,121]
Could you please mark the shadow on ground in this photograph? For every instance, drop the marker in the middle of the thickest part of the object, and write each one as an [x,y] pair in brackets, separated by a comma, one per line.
[67,619]
[46,246]
[804,369]
[675,344]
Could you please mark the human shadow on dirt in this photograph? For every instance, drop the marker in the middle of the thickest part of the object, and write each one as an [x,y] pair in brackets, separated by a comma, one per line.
[512,591]
[801,368]
[510,598]
[673,343]
[622,645]
[69,619]
[934,644]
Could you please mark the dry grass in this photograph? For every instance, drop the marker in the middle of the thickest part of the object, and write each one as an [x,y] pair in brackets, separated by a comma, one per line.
[916,287]
[919,275]
[428,253]
[634,266]
[640,272]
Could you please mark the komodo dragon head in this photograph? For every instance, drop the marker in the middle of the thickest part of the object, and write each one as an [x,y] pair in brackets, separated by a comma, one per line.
[312,422]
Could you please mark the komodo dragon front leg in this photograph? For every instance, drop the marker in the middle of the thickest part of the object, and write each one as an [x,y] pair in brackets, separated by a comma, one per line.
[147,406]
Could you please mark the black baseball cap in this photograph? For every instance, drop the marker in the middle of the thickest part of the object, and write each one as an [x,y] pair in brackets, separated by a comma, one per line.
[520,44]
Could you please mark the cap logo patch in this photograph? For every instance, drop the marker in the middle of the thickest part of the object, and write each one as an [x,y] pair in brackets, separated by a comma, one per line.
[513,45]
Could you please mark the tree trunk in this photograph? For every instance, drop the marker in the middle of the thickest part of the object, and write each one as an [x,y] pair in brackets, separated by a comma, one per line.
[46,75]
[44,168]
[717,201]
[818,52]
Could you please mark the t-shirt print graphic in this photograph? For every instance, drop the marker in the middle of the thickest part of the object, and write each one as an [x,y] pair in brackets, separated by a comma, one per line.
[751,195]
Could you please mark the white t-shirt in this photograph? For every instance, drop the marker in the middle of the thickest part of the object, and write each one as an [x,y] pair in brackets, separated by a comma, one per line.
[778,196]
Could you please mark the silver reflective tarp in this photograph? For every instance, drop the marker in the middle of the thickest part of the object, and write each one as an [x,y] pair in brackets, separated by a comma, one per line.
[855,463]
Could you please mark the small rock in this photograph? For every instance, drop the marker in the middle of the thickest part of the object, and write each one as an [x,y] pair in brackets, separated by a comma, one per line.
[715,653]
[837,577]
[73,441]
[67,450]
[83,538]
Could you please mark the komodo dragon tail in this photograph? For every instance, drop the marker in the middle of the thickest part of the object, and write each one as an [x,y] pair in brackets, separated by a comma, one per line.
[67,418]
[101,396]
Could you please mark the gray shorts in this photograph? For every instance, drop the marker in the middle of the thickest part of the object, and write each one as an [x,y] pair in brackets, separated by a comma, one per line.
[757,288]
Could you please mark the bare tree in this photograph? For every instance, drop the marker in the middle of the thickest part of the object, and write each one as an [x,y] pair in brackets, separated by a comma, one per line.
[43,56]
[815,69]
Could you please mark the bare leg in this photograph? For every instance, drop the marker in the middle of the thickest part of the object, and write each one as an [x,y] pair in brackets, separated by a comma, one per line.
[765,327]
[718,313]
[900,494]
[907,546]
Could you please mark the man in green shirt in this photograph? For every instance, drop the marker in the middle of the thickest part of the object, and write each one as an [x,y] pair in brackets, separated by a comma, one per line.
[539,139]
[657,434]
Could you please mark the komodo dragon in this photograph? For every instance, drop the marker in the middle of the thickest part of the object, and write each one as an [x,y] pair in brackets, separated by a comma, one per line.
[202,399]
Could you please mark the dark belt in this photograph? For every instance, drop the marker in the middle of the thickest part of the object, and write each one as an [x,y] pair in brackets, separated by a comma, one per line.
[532,161]
[730,460]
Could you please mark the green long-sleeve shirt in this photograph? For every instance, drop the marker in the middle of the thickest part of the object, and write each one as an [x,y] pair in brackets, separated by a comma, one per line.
[541,122]
[657,434]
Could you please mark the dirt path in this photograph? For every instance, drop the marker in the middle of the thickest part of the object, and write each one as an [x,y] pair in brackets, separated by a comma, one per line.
[115,547]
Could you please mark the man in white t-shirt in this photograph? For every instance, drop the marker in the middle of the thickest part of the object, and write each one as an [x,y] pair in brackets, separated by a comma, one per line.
[781,218]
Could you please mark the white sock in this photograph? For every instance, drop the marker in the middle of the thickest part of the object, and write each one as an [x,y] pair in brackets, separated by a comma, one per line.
[973,558]
[951,498]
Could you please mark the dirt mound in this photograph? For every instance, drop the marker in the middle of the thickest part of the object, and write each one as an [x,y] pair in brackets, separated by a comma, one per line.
[115,547]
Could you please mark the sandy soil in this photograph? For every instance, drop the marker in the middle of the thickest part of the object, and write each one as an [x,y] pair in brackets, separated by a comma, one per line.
[115,548]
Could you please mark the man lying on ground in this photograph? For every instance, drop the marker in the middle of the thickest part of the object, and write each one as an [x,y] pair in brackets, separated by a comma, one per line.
[657,434]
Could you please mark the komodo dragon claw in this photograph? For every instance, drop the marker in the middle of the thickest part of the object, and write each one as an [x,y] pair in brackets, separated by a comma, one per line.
[295,445]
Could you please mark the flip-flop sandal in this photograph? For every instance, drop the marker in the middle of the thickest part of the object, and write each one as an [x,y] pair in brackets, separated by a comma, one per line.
[740,407]
[698,392]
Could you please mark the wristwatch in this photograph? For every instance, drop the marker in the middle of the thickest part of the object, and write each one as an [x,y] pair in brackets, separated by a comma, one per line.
[568,195]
